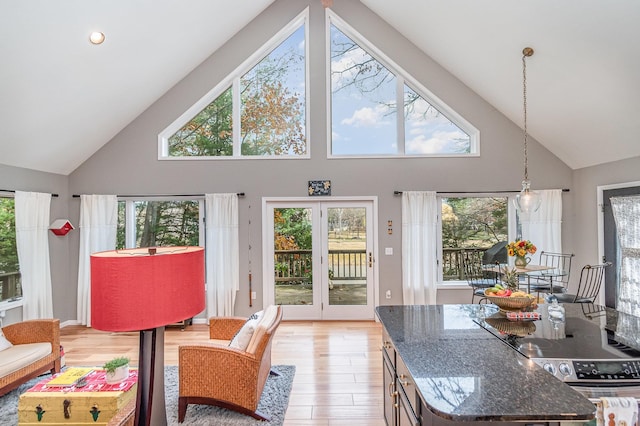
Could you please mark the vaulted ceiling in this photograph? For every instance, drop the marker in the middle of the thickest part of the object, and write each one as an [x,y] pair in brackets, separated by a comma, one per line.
[61,99]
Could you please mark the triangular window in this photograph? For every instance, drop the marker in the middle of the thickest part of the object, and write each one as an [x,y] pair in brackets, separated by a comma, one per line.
[367,88]
[259,111]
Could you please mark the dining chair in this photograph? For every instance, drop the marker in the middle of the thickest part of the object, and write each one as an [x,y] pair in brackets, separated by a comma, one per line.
[556,279]
[591,278]
[478,278]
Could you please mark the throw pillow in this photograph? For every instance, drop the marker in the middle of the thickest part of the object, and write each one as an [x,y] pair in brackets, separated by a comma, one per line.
[243,336]
[5,344]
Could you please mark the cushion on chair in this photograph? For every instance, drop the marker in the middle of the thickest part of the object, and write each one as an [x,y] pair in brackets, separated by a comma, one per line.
[19,356]
[4,343]
[243,336]
[267,320]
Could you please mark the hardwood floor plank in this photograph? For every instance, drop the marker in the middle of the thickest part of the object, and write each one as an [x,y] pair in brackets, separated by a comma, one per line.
[338,379]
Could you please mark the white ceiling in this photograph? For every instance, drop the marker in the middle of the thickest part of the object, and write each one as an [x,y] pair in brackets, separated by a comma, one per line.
[61,98]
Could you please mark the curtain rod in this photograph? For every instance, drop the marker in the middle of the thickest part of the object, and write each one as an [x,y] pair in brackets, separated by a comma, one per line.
[475,192]
[240,194]
[13,192]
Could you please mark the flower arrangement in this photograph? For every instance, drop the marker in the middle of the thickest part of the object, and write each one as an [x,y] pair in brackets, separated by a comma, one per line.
[521,248]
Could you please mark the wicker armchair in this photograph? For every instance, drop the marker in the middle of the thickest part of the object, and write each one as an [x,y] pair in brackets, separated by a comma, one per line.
[217,374]
[32,331]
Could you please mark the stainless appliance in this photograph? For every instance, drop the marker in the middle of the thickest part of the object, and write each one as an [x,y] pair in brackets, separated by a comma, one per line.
[594,349]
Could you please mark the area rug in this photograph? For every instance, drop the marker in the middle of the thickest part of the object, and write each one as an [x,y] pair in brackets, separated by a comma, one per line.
[273,402]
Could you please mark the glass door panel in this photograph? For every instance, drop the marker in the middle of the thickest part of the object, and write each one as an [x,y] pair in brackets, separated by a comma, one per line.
[348,285]
[347,257]
[293,256]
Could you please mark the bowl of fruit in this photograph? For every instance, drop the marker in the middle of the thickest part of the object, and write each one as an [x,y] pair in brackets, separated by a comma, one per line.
[507,299]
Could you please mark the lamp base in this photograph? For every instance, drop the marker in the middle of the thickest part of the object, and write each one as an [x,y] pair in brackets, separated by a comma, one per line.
[150,405]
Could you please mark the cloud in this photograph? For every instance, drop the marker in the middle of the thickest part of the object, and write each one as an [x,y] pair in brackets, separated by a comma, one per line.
[438,143]
[367,117]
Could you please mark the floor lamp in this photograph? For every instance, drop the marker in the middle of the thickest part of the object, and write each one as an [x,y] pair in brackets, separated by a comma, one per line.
[144,290]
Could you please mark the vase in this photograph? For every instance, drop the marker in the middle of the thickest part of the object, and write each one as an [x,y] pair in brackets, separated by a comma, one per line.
[119,375]
[521,261]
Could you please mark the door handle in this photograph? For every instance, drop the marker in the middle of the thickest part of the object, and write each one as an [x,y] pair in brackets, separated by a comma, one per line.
[370,260]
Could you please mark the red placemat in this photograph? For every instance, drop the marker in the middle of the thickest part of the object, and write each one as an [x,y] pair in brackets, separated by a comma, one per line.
[96,382]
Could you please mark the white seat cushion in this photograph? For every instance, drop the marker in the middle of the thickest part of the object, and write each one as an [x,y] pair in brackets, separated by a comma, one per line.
[18,356]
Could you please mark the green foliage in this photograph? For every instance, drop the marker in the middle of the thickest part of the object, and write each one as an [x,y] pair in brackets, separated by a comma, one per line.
[272,118]
[162,223]
[110,366]
[473,222]
[294,224]
[8,250]
[209,133]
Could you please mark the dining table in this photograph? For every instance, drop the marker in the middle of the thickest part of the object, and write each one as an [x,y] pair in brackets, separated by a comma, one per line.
[541,272]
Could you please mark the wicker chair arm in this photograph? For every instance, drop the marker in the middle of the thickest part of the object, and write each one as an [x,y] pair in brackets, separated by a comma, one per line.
[224,328]
[34,331]
[204,370]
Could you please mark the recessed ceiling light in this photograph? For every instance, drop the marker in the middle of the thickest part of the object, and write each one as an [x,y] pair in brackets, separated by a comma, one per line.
[96,37]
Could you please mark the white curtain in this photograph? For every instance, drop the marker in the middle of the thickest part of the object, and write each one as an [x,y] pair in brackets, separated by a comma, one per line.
[222,253]
[544,227]
[419,247]
[626,212]
[32,243]
[98,230]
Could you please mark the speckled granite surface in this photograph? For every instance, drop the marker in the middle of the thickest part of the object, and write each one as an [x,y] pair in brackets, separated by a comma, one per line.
[463,373]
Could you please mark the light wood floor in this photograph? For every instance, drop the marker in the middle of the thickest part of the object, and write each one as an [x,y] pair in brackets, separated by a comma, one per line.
[338,377]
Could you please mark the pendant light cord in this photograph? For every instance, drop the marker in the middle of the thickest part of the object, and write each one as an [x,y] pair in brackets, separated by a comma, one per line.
[524,98]
[527,51]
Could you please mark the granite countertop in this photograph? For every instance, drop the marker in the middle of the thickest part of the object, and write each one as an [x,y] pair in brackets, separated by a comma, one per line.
[464,373]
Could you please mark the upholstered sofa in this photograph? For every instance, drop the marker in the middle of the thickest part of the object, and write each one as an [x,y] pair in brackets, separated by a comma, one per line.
[229,371]
[33,349]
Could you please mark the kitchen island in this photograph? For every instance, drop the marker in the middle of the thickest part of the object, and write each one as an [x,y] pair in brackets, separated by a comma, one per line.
[441,367]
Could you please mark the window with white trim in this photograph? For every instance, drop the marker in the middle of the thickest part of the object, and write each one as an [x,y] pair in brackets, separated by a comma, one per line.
[473,222]
[259,111]
[366,89]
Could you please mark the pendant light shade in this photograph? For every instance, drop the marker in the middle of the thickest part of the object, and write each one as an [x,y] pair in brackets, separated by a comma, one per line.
[527,201]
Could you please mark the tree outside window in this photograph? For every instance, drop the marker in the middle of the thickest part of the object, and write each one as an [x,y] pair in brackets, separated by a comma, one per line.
[471,223]
[365,94]
[161,223]
[10,286]
[272,100]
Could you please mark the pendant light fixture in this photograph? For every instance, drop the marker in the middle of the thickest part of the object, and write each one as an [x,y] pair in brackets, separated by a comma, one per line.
[527,201]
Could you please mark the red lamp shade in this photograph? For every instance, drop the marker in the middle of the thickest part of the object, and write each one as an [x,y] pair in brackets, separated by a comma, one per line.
[134,289]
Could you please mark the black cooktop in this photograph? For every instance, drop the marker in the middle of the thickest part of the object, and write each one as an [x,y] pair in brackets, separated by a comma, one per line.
[587,332]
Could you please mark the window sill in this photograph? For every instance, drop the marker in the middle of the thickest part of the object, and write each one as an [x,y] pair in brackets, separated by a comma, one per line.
[10,304]
[453,285]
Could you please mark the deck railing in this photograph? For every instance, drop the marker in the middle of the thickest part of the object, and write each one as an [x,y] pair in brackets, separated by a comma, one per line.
[296,265]
[10,287]
[452,267]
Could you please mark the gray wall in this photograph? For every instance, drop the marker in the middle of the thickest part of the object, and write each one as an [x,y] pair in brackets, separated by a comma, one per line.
[584,222]
[128,164]
[15,178]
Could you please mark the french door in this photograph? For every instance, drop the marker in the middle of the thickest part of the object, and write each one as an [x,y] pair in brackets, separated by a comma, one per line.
[319,258]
